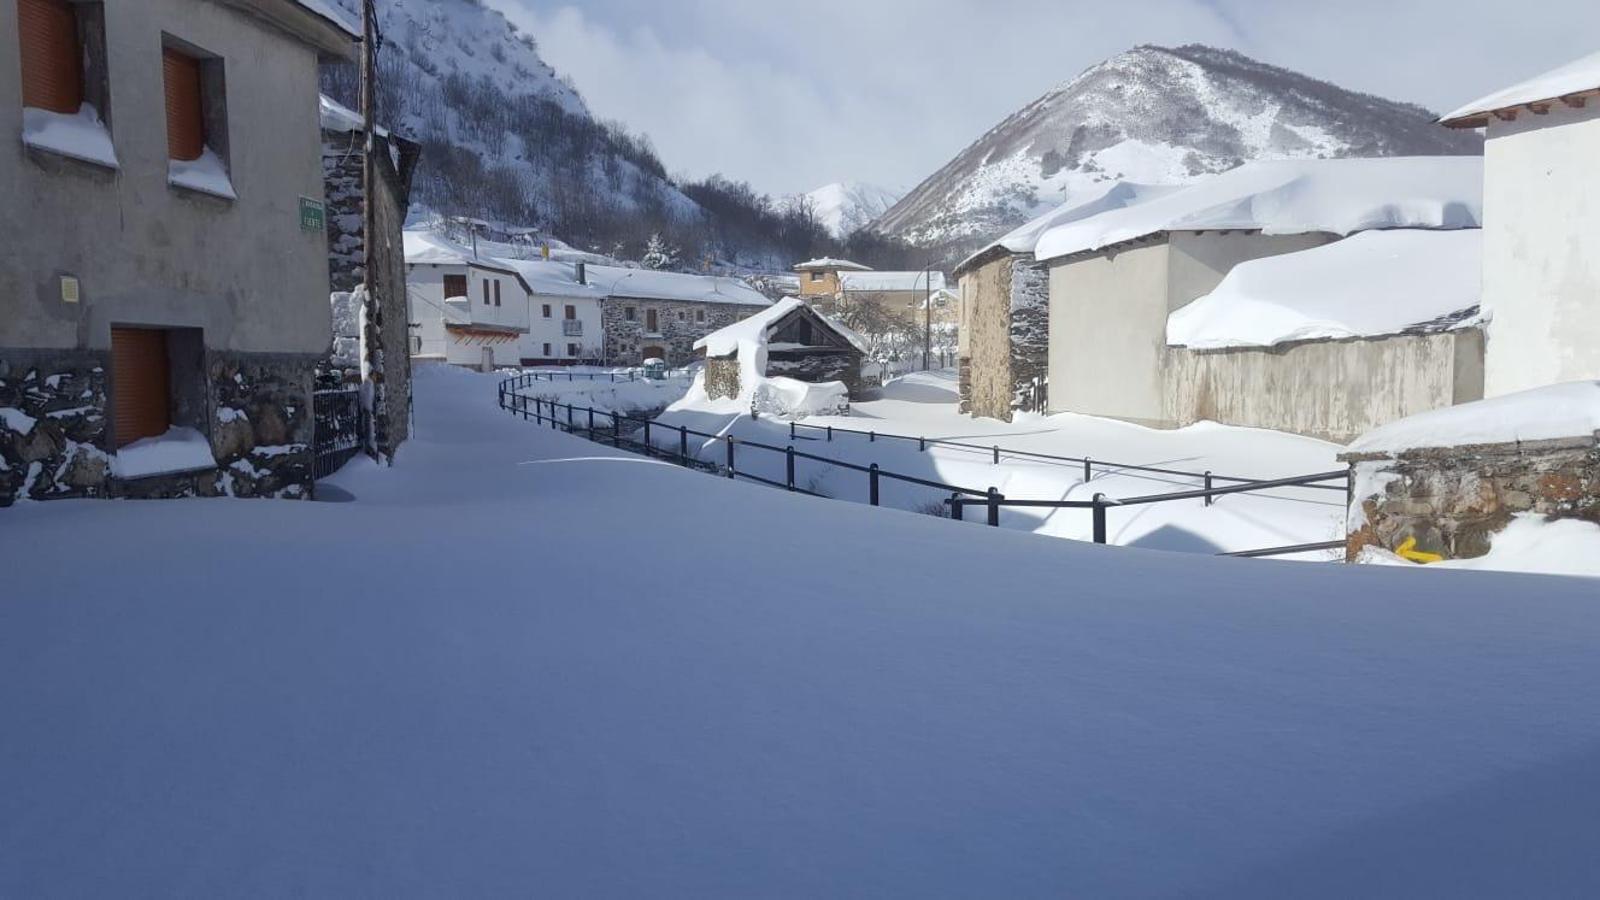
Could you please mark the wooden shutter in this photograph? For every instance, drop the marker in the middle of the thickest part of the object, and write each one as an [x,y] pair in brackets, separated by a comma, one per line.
[455,286]
[572,313]
[52,66]
[186,128]
[140,400]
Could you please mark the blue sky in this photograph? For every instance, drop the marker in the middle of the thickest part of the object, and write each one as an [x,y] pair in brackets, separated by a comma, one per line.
[790,96]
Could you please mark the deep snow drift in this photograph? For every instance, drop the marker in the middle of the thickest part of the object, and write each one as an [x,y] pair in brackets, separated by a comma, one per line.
[522,664]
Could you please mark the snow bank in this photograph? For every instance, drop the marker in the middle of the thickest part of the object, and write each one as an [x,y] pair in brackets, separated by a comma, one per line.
[1373,283]
[1559,411]
[82,136]
[1337,196]
[1575,77]
[208,175]
[786,398]
[179,450]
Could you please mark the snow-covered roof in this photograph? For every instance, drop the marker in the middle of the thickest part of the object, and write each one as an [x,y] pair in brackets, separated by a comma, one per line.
[827,263]
[338,117]
[1373,283]
[873,282]
[427,247]
[647,284]
[549,277]
[752,332]
[1570,410]
[1337,196]
[1106,197]
[330,11]
[1578,77]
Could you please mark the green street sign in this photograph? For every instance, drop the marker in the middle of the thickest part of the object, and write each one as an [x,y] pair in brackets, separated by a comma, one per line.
[313,217]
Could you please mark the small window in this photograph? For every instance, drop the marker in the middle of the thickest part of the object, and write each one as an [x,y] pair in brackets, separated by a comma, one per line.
[197,120]
[699,315]
[681,315]
[186,123]
[816,276]
[571,312]
[486,292]
[547,351]
[546,310]
[497,292]
[52,75]
[572,350]
[631,314]
[455,286]
[652,321]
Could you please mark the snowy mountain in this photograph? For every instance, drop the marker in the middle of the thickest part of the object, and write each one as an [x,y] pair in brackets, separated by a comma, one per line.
[1154,115]
[847,206]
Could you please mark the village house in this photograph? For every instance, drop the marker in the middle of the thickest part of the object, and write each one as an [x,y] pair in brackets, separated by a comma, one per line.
[789,340]
[1116,278]
[1003,312]
[565,314]
[380,265]
[1541,243]
[184,134]
[660,315]
[834,284]
[1443,485]
[467,311]
[819,278]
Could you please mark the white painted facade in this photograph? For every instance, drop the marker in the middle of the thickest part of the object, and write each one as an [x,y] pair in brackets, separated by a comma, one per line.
[1541,248]
[483,327]
[563,330]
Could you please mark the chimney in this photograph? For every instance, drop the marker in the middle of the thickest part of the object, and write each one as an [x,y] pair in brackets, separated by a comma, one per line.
[583,273]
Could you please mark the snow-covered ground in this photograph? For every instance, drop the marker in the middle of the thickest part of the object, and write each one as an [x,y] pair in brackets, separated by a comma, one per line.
[924,405]
[521,663]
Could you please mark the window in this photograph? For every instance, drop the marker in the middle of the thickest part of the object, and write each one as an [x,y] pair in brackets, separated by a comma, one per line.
[497,292]
[52,77]
[186,123]
[630,314]
[455,286]
[571,312]
[652,322]
[681,315]
[572,350]
[816,276]
[197,120]
[546,309]
[486,292]
[699,315]
[141,401]
[546,351]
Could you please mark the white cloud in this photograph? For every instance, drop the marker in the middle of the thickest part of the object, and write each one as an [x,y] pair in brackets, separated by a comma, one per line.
[793,95]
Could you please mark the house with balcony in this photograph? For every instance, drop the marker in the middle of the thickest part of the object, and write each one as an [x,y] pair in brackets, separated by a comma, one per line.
[465,310]
[565,314]
[166,275]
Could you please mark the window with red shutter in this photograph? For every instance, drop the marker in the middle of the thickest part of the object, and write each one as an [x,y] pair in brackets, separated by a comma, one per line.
[455,286]
[186,129]
[141,397]
[52,56]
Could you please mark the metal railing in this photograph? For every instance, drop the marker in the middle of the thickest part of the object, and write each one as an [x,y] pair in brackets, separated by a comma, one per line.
[607,427]
[572,327]
[527,379]
[340,429]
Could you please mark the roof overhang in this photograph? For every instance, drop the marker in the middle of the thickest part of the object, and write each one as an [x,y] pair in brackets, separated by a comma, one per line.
[1481,118]
[488,333]
[332,40]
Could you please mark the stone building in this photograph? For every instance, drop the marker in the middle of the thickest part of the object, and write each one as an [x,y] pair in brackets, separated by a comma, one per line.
[167,291]
[1119,276]
[790,340]
[343,149]
[1541,278]
[660,315]
[1441,485]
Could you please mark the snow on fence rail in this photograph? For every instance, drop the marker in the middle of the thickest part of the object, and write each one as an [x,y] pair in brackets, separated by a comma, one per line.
[606,427]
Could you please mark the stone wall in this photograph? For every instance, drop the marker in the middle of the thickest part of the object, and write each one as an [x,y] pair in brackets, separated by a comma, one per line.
[55,440]
[625,340]
[1030,324]
[819,367]
[1454,500]
[1008,341]
[722,377]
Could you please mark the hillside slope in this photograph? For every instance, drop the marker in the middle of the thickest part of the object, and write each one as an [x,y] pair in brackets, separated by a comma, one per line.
[1154,115]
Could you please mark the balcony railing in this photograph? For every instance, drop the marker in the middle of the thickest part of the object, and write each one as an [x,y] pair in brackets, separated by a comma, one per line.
[572,327]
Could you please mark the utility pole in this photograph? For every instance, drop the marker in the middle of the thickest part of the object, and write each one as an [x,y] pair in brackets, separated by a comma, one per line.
[373,332]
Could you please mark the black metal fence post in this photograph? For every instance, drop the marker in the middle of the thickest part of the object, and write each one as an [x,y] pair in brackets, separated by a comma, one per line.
[922,445]
[872,437]
[1209,499]
[569,418]
[731,470]
[1088,470]
[994,508]
[647,445]
[591,423]
[872,485]
[997,455]
[791,431]
[683,445]
[1099,518]
[789,465]
[957,508]
[830,434]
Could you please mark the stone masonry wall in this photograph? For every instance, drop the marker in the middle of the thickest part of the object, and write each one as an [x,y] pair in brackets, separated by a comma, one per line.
[988,381]
[55,441]
[624,339]
[722,377]
[1454,500]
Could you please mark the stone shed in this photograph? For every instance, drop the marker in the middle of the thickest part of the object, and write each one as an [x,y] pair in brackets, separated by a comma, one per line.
[790,340]
[1443,484]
